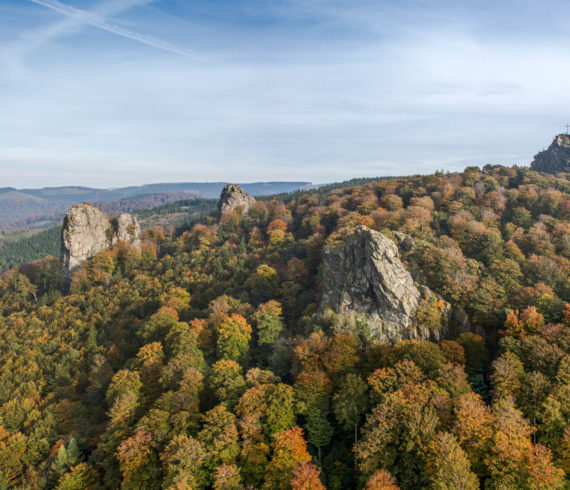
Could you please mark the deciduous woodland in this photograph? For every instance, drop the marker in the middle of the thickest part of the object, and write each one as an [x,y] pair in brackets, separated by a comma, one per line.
[200,360]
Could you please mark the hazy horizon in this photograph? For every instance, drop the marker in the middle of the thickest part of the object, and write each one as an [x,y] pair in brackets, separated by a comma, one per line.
[111,93]
[167,183]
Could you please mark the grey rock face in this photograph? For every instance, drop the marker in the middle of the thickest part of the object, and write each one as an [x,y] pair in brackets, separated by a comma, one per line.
[406,242]
[233,197]
[365,281]
[87,231]
[556,158]
[128,229]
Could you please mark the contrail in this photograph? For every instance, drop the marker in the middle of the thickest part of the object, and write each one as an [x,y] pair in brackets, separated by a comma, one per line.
[96,18]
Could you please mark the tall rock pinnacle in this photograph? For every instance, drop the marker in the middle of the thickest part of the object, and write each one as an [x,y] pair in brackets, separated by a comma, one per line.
[87,231]
[232,198]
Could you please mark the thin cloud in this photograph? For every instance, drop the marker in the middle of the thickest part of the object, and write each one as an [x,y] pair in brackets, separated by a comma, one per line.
[97,19]
[13,54]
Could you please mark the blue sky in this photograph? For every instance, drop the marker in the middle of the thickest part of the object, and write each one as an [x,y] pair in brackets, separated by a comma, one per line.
[119,92]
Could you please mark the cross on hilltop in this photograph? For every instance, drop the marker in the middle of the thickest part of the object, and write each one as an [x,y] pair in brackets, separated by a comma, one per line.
[567,127]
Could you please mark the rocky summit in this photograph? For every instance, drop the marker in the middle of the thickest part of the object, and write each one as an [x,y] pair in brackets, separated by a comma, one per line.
[233,197]
[87,231]
[556,158]
[365,282]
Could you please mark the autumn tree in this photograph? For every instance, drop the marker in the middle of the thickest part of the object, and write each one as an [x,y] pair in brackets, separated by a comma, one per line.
[513,461]
[183,460]
[138,461]
[306,477]
[350,402]
[269,322]
[263,284]
[227,382]
[507,376]
[381,480]
[12,450]
[289,452]
[395,433]
[227,477]
[234,334]
[447,465]
[219,436]
[280,413]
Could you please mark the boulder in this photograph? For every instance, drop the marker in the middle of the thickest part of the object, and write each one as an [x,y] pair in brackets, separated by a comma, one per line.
[87,231]
[556,158]
[364,282]
[233,197]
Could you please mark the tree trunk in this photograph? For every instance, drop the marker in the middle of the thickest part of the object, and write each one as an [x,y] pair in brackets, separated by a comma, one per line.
[355,441]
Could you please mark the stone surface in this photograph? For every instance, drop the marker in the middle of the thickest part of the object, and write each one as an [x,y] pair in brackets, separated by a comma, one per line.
[406,242]
[87,231]
[128,229]
[556,158]
[364,280]
[232,198]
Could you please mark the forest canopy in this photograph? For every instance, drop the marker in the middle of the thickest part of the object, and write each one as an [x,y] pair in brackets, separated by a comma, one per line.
[199,360]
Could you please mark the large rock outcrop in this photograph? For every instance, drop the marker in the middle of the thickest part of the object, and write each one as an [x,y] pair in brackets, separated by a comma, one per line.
[556,158]
[232,198]
[87,231]
[364,282]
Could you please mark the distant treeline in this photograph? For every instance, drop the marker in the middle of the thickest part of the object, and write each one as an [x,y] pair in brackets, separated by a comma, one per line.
[324,189]
[142,202]
[28,248]
[184,205]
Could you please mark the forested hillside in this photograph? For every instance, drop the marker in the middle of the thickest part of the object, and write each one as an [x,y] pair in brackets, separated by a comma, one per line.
[23,247]
[199,361]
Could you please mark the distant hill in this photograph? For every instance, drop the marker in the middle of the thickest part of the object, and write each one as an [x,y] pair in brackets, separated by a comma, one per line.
[203,189]
[23,209]
[16,205]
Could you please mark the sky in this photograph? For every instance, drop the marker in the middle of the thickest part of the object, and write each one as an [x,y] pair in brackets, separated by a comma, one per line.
[109,93]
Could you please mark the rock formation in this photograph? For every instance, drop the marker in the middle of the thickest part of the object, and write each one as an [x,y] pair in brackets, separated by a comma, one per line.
[127,229]
[364,281]
[406,242]
[87,231]
[232,198]
[556,158]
